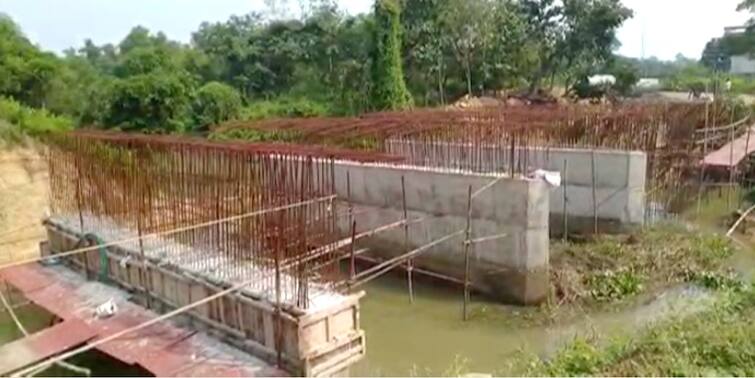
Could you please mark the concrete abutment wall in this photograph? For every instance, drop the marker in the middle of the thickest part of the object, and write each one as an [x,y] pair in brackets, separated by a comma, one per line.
[513,268]
[619,178]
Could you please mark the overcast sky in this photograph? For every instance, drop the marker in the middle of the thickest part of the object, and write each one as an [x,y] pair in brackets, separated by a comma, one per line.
[669,26]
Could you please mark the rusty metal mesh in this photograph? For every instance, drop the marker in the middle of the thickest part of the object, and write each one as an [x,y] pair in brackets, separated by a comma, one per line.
[519,139]
[121,186]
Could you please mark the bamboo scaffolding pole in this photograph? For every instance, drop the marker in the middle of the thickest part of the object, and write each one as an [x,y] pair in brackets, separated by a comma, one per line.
[467,245]
[409,263]
[594,193]
[731,160]
[378,270]
[563,189]
[417,270]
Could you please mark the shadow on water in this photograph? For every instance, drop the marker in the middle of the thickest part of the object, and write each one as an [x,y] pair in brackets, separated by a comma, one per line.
[429,335]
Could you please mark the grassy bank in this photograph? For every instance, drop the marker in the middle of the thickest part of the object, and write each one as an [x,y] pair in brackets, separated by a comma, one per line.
[18,122]
[716,342]
[611,269]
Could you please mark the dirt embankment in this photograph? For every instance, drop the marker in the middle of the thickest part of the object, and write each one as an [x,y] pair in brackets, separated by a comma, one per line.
[23,202]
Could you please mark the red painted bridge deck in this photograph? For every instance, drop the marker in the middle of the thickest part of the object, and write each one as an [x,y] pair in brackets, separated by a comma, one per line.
[164,348]
[732,153]
[43,344]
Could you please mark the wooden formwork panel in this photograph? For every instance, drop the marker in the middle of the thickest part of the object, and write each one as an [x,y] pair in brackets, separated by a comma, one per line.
[312,344]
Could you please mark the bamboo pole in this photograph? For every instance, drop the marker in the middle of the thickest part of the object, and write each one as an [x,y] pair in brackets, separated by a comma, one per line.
[594,194]
[563,189]
[701,183]
[467,244]
[409,263]
[352,263]
[731,161]
[741,218]
[375,271]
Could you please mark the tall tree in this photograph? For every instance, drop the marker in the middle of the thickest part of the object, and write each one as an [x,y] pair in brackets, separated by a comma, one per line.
[468,30]
[389,91]
[572,37]
[26,73]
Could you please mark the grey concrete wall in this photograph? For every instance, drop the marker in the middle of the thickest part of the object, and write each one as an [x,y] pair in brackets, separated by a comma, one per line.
[619,179]
[513,268]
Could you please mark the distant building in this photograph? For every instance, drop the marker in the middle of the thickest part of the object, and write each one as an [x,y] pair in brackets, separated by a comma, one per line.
[648,84]
[742,64]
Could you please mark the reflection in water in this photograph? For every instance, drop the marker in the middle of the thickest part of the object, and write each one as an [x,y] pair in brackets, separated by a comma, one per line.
[430,335]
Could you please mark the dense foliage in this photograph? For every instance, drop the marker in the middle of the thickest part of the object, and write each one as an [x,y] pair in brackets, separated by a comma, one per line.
[214,103]
[389,88]
[323,62]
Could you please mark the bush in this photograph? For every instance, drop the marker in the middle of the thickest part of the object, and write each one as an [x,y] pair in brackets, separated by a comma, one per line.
[252,135]
[29,121]
[743,85]
[156,102]
[215,103]
[284,108]
[615,285]
[718,341]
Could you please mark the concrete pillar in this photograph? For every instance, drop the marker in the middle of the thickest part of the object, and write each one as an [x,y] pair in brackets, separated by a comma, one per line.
[513,269]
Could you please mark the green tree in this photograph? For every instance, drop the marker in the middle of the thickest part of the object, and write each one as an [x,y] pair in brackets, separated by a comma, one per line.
[747,5]
[215,103]
[469,30]
[389,91]
[571,38]
[154,102]
[26,73]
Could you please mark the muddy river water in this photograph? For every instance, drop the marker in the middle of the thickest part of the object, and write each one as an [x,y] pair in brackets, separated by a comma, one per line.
[429,336]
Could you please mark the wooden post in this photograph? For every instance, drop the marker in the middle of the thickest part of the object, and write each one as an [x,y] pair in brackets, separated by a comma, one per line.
[348,197]
[731,159]
[701,184]
[352,263]
[594,195]
[409,262]
[566,216]
[747,146]
[467,245]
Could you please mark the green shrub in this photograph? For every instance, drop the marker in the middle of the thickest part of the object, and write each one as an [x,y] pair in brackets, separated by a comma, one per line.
[215,103]
[719,341]
[22,120]
[154,102]
[615,285]
[251,135]
[284,108]
[389,91]
[743,85]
